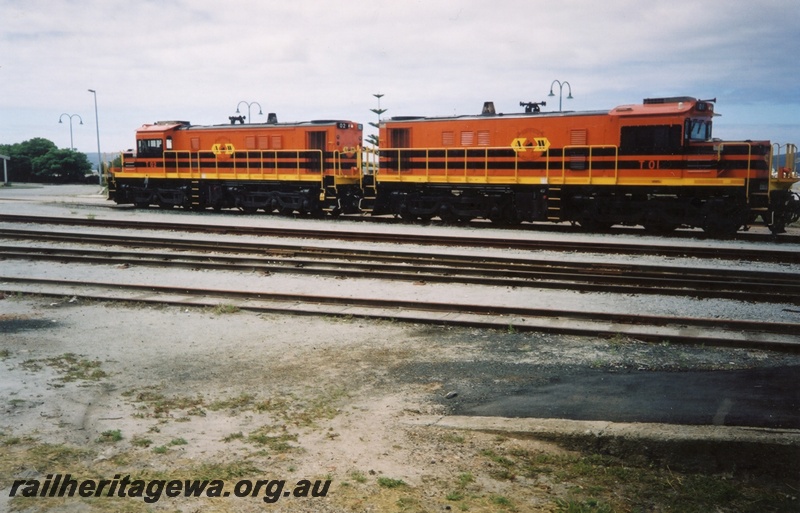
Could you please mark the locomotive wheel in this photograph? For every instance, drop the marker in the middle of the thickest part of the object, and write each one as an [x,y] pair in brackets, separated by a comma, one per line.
[249,210]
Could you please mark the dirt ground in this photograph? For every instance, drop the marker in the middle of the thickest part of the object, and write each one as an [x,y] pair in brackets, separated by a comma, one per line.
[214,394]
[104,389]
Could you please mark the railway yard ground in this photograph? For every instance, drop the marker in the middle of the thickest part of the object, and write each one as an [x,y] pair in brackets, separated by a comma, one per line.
[399,416]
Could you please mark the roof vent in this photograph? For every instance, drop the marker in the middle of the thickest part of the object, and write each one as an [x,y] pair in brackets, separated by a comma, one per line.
[488,109]
[272,118]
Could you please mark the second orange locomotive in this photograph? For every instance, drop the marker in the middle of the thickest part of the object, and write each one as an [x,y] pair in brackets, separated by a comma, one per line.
[654,164]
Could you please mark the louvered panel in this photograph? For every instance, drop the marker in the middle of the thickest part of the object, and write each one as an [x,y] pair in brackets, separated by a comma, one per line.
[448,138]
[578,137]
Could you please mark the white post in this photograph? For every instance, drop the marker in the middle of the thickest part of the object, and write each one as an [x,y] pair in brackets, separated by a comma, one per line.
[5,168]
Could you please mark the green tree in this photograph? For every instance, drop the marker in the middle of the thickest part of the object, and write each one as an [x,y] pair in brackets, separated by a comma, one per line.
[61,166]
[21,163]
[40,160]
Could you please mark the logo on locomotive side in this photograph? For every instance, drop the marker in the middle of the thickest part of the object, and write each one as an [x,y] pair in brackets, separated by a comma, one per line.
[521,144]
[222,149]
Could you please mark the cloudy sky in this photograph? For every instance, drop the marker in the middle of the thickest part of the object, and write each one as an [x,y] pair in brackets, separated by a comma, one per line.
[196,60]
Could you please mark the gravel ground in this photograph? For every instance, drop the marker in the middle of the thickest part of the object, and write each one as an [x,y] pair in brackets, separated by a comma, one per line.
[204,392]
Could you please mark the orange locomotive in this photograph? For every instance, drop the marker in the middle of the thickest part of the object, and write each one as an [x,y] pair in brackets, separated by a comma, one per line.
[654,164]
[307,167]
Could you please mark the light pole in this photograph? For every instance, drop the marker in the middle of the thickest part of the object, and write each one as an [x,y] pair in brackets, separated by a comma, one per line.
[70,116]
[249,104]
[97,125]
[560,89]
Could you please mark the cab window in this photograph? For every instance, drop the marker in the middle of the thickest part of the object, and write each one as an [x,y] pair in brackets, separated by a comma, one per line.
[698,130]
[150,148]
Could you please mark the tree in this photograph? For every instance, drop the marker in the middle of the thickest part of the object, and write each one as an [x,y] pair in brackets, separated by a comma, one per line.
[40,160]
[20,166]
[61,166]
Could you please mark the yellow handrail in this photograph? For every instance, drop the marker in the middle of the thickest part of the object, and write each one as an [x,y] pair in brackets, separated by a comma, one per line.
[591,148]
[749,161]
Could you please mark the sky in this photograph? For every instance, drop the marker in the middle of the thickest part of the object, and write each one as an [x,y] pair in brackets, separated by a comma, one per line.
[198,60]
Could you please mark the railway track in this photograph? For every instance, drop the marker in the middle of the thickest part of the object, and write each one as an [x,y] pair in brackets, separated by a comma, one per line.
[771,335]
[384,265]
[703,252]
[744,285]
[430,267]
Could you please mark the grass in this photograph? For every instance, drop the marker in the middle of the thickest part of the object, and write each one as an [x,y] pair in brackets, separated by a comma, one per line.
[70,366]
[387,482]
[110,436]
[603,484]
[225,308]
[277,443]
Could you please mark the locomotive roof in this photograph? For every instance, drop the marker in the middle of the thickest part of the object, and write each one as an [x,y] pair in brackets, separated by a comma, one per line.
[397,119]
[649,106]
[165,126]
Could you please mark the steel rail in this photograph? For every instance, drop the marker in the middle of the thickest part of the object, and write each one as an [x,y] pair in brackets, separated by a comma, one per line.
[706,283]
[735,333]
[750,254]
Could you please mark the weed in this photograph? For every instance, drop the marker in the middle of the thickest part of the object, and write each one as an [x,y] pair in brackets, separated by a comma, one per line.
[233,436]
[278,443]
[388,482]
[454,496]
[501,501]
[225,308]
[5,353]
[141,442]
[587,506]
[453,438]
[178,441]
[110,436]
[70,366]
[465,479]
[358,476]
[224,471]
[161,449]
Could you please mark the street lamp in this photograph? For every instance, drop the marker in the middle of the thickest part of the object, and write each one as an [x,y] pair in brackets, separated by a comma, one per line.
[70,116]
[560,88]
[97,125]
[249,104]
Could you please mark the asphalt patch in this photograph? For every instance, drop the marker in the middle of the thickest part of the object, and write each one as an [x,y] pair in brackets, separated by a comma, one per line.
[759,397]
